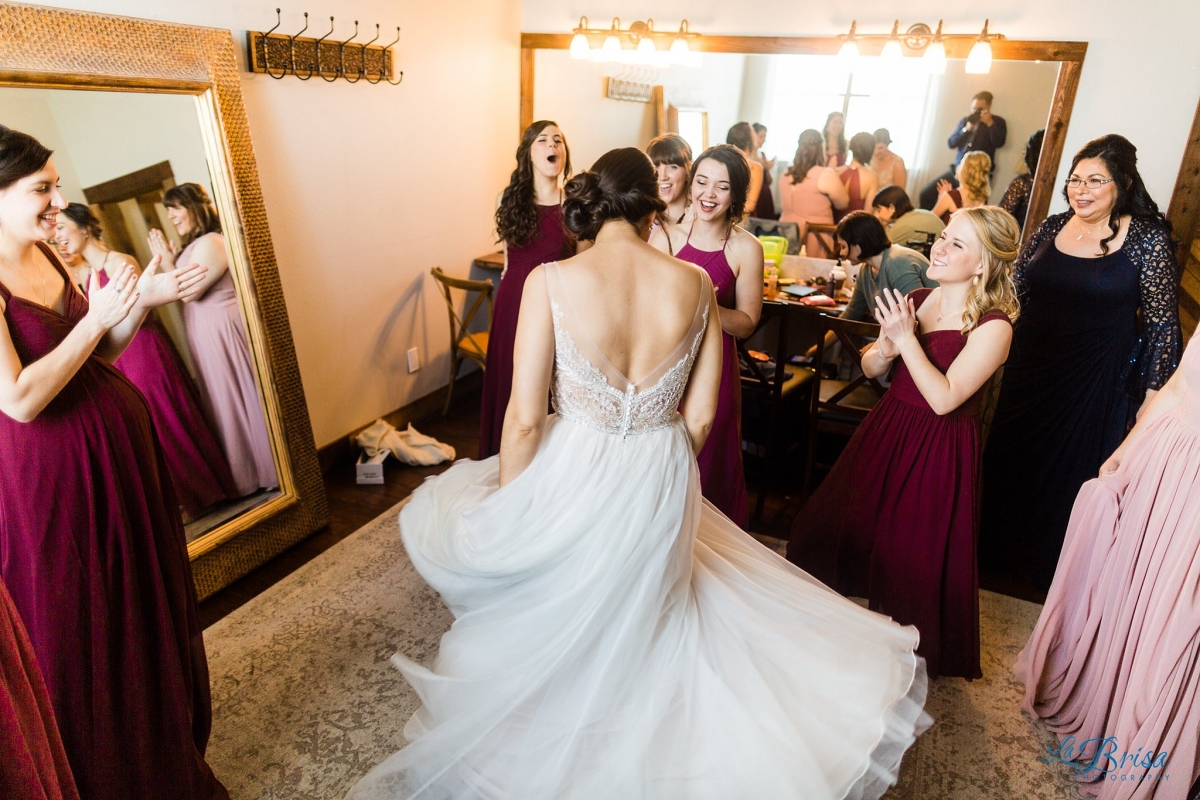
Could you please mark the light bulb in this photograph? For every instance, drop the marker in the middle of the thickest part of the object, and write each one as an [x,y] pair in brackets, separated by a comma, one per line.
[580,49]
[848,54]
[979,62]
[892,51]
[935,58]
[611,51]
[679,51]
[646,51]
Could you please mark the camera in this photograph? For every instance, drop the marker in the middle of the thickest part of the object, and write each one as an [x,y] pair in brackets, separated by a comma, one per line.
[976,115]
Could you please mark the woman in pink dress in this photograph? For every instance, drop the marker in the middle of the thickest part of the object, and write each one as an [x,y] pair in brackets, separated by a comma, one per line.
[861,184]
[530,223]
[1115,658]
[217,340]
[197,466]
[733,260]
[895,520]
[809,192]
[92,547]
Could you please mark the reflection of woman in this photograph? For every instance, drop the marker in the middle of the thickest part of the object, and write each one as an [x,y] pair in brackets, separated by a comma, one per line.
[616,637]
[1100,332]
[742,137]
[1016,196]
[765,207]
[809,192]
[861,184]
[887,166]
[833,135]
[895,519]
[1114,652]
[904,224]
[92,547]
[217,340]
[973,174]
[529,222]
[195,462]
[733,260]
[672,158]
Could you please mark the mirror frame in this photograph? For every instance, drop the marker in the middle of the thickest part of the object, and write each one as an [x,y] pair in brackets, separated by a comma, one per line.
[51,48]
[1069,54]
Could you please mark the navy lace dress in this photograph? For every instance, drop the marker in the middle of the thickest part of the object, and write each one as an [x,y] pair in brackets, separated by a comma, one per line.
[1094,335]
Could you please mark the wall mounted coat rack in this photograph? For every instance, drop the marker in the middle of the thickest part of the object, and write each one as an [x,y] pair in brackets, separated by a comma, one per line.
[280,54]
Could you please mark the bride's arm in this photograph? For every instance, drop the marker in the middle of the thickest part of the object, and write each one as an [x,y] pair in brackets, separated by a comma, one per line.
[699,405]
[533,363]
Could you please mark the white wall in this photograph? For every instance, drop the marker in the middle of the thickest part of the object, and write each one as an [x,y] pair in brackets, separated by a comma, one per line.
[27,111]
[1141,77]
[367,187]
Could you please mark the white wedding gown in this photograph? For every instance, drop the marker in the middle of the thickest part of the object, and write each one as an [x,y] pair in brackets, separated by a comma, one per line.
[617,638]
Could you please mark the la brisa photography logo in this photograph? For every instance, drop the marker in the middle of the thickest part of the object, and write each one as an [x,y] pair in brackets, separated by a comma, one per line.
[1102,758]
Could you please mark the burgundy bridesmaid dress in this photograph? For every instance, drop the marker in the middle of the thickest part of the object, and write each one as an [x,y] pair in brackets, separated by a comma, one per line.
[552,242]
[33,764]
[895,520]
[198,470]
[722,478]
[92,550]
[225,372]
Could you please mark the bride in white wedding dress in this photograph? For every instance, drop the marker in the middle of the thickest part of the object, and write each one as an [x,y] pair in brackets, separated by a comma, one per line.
[615,636]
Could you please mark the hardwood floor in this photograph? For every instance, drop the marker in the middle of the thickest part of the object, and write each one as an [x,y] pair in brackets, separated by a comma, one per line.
[351,506]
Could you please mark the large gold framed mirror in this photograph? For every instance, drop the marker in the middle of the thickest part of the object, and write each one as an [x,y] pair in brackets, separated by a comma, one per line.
[740,76]
[134,109]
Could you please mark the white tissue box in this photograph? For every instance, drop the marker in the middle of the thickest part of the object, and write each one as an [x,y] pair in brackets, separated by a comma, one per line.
[370,470]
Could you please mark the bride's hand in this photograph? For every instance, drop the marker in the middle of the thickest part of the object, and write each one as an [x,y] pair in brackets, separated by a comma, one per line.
[897,317]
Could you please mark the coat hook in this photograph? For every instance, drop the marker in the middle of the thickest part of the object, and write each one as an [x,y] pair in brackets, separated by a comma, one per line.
[362,68]
[292,48]
[342,61]
[395,60]
[266,42]
[321,71]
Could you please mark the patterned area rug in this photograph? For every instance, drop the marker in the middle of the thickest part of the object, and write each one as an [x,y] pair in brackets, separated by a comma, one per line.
[305,701]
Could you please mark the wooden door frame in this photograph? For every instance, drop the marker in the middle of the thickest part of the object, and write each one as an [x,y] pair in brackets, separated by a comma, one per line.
[1070,56]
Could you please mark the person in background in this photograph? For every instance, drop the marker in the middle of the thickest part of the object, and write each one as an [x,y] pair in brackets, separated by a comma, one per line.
[77,268]
[885,266]
[887,166]
[1016,196]
[892,206]
[93,550]
[895,519]
[979,131]
[1099,335]
[861,184]
[733,259]
[974,186]
[834,137]
[530,223]
[672,158]
[1114,650]
[765,208]
[195,463]
[742,137]
[810,192]
[217,340]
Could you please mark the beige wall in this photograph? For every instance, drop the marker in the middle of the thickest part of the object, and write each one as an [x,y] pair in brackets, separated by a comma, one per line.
[367,187]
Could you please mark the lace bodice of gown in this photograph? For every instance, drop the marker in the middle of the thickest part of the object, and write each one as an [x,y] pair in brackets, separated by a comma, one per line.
[586,388]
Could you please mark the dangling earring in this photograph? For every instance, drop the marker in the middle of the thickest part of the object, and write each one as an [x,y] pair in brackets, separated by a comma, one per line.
[975,281]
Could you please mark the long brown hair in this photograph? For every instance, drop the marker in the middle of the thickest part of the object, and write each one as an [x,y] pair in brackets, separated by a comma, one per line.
[517,217]
[193,198]
[810,152]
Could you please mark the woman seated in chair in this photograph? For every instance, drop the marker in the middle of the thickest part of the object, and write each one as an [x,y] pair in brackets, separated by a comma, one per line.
[894,521]
[902,222]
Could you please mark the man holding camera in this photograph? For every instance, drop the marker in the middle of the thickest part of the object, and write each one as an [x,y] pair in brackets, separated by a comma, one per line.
[980,130]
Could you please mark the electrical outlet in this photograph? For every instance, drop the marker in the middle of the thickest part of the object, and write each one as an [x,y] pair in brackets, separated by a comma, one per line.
[414,360]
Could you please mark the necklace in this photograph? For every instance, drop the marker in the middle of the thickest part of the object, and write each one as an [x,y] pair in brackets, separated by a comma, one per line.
[32,288]
[1086,229]
[947,313]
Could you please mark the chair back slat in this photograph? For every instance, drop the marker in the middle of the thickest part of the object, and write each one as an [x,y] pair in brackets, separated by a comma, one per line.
[460,325]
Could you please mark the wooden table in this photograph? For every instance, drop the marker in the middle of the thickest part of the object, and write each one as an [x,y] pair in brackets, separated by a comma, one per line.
[493,261]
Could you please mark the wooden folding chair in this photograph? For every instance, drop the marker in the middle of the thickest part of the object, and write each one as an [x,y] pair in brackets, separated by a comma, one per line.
[826,233]
[839,406]
[464,343]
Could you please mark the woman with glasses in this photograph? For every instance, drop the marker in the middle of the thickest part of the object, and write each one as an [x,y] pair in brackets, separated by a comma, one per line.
[1098,336]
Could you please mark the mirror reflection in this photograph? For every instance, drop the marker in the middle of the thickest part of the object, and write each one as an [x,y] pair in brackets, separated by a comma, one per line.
[132,167]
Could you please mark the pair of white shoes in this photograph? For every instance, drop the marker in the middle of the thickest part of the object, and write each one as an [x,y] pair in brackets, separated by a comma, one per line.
[410,446]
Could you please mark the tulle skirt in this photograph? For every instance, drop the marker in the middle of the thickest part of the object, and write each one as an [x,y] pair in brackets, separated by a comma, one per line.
[617,637]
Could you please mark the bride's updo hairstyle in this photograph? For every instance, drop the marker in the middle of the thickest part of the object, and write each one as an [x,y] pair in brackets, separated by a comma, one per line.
[622,184]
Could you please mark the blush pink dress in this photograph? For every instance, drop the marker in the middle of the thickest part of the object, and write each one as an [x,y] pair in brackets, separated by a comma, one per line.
[1116,652]
[803,203]
[225,373]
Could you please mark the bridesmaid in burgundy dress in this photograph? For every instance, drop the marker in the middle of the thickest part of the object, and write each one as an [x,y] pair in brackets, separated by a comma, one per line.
[734,260]
[91,543]
[199,473]
[530,223]
[895,521]
[217,340]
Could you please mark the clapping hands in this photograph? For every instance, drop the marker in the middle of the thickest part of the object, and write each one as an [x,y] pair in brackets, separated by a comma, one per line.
[897,317]
[943,186]
[166,250]
[157,288]
[110,304]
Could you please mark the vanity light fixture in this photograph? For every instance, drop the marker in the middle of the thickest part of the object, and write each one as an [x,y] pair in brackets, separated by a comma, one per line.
[643,38]
[921,38]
